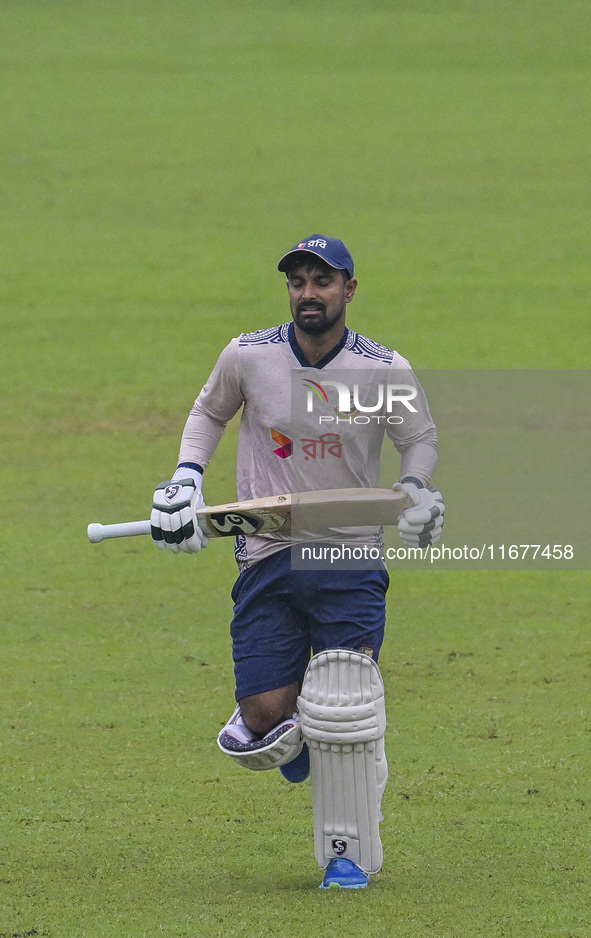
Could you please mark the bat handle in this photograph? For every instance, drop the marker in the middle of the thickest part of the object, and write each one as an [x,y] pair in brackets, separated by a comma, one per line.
[99,532]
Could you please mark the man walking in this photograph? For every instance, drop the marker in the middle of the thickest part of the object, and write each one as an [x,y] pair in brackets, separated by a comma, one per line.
[294,709]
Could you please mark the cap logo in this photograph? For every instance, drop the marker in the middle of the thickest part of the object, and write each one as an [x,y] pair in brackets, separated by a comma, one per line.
[330,250]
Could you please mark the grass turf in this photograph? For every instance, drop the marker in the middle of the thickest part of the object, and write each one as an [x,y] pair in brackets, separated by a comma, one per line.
[156,160]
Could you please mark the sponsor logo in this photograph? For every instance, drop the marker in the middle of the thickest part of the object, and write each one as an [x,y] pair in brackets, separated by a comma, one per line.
[285,448]
[171,492]
[352,412]
[231,524]
[314,243]
[339,846]
[327,444]
[367,650]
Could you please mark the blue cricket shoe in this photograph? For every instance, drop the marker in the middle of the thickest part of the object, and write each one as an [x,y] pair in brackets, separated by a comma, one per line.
[298,769]
[344,874]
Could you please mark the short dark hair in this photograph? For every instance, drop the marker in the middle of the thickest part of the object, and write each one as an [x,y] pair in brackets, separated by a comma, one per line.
[311,261]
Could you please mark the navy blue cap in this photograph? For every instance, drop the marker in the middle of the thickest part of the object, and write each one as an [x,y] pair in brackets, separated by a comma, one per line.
[331,250]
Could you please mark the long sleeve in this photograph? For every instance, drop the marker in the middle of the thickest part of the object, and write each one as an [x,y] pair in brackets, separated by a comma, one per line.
[420,459]
[219,400]
[415,437]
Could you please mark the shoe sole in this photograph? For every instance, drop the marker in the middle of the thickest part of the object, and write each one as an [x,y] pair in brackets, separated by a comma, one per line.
[343,886]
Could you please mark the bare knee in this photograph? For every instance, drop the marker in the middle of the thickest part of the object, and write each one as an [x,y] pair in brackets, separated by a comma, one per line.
[261,712]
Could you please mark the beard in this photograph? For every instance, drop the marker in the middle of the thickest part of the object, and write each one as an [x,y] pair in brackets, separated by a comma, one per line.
[315,320]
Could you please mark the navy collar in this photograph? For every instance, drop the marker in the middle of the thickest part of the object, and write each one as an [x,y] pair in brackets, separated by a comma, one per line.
[297,351]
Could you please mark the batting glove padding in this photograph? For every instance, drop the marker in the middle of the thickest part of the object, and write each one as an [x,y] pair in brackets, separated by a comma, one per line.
[421,526]
[173,520]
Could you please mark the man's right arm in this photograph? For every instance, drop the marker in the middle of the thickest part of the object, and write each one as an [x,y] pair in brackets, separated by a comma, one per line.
[173,522]
[220,399]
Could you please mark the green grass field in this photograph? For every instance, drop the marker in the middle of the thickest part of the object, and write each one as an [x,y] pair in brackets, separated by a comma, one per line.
[156,159]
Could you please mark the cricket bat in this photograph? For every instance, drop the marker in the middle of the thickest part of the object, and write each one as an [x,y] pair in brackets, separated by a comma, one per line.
[310,511]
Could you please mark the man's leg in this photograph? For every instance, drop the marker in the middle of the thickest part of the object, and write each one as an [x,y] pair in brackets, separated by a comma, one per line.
[271,648]
[261,712]
[343,719]
[264,730]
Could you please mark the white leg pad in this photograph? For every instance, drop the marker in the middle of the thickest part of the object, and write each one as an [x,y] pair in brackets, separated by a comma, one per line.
[343,720]
[281,744]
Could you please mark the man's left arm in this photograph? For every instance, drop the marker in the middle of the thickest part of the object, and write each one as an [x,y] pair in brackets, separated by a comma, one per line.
[415,439]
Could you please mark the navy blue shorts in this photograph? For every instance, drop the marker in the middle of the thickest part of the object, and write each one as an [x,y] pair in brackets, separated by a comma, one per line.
[281,616]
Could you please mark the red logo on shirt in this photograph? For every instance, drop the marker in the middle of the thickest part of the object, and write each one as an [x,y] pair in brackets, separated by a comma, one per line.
[285,448]
[327,444]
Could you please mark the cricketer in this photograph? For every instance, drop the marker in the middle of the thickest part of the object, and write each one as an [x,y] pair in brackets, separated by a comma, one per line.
[306,641]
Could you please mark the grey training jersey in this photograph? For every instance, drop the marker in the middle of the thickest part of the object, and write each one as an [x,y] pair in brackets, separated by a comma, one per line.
[306,428]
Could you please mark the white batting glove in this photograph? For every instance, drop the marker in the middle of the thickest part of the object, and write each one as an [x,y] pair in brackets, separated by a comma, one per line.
[421,526]
[174,525]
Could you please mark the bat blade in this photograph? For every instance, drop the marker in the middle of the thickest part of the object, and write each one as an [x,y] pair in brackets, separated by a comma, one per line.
[344,508]
[299,511]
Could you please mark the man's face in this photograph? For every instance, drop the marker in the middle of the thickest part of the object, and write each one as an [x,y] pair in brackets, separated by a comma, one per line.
[318,297]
